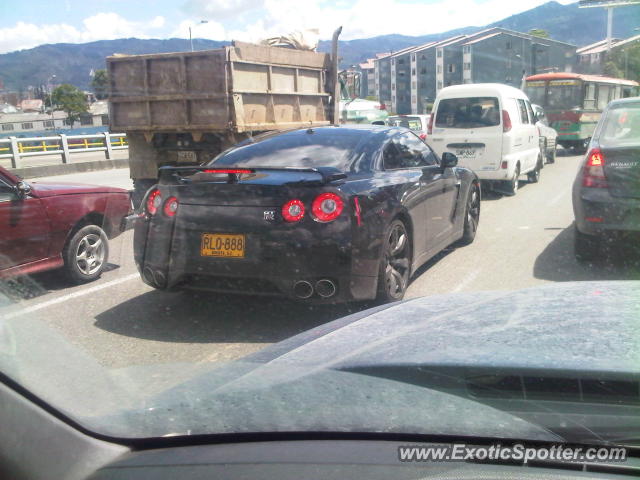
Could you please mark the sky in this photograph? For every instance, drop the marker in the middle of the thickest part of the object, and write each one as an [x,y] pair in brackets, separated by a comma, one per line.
[28,23]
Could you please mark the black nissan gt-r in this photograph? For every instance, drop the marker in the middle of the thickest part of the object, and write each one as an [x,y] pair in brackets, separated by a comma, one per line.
[330,214]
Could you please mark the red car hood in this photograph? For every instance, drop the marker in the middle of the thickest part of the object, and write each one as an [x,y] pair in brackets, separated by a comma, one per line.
[50,189]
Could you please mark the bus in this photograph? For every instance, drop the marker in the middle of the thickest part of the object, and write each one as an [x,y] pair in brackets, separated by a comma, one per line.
[573,102]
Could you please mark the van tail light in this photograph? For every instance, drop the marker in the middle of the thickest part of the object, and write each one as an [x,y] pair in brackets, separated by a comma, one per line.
[506,121]
[154,200]
[430,125]
[381,106]
[423,136]
[170,206]
[593,173]
[293,210]
[327,207]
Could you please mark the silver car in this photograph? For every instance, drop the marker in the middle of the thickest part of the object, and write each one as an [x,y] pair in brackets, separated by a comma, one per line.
[548,135]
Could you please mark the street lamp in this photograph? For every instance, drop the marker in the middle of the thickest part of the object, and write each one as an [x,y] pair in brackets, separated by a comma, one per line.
[190,38]
[50,87]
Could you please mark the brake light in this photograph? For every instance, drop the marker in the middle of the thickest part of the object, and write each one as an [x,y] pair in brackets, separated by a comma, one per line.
[593,173]
[381,106]
[506,121]
[293,211]
[423,136]
[154,200]
[430,125]
[234,171]
[170,206]
[327,207]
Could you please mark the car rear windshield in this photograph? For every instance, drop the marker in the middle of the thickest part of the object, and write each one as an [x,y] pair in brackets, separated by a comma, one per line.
[413,123]
[622,126]
[470,112]
[300,149]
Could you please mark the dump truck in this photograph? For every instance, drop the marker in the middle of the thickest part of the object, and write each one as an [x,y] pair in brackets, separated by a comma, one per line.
[184,108]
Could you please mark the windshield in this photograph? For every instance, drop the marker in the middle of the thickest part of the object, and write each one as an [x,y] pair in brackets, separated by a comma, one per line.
[564,95]
[472,112]
[536,93]
[308,149]
[224,217]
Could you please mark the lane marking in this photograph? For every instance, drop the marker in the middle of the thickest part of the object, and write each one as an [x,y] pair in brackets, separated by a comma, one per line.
[558,197]
[69,296]
[524,227]
[468,279]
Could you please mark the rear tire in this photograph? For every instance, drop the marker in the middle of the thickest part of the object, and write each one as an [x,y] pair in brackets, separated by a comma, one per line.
[586,247]
[514,183]
[534,175]
[86,254]
[395,264]
[551,155]
[471,216]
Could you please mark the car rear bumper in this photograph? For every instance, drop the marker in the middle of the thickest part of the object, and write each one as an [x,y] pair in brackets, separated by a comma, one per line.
[274,264]
[598,212]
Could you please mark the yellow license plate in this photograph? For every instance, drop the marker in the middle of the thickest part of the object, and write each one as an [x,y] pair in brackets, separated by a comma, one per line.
[222,245]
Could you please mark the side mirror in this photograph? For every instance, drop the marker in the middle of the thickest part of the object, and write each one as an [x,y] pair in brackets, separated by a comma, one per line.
[23,189]
[449,160]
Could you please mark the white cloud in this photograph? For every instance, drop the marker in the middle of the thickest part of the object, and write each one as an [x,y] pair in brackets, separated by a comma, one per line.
[367,18]
[253,20]
[102,26]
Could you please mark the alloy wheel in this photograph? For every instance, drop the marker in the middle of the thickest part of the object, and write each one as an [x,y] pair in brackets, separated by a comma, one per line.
[90,254]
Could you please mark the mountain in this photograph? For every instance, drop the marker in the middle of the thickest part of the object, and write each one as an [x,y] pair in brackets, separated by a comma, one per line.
[71,63]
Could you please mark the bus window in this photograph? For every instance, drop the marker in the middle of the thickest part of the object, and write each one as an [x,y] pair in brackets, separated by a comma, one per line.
[603,96]
[615,92]
[590,97]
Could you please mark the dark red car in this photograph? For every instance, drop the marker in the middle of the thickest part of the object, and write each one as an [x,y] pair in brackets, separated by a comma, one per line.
[51,225]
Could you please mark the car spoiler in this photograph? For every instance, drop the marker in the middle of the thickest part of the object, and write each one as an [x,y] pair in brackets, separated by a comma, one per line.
[181,174]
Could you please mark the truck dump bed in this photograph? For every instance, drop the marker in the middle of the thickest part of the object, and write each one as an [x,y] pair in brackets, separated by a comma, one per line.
[240,88]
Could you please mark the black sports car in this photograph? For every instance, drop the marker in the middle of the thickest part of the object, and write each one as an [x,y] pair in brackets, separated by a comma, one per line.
[330,214]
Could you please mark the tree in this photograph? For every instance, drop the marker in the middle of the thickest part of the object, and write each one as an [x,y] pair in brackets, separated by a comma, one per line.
[70,99]
[538,32]
[100,84]
[625,62]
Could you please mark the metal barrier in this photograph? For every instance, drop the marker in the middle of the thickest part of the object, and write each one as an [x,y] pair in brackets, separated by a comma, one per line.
[64,145]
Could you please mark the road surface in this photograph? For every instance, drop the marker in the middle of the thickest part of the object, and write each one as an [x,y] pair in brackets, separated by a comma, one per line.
[522,241]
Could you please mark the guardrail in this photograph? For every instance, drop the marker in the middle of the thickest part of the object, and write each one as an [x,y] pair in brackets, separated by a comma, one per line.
[64,145]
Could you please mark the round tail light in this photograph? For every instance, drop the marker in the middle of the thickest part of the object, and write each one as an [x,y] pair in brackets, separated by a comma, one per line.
[154,200]
[293,211]
[327,207]
[170,206]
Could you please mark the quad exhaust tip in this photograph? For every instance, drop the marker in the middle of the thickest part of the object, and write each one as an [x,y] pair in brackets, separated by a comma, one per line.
[325,288]
[302,289]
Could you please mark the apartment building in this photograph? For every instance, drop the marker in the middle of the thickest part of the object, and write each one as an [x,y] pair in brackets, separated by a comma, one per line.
[493,55]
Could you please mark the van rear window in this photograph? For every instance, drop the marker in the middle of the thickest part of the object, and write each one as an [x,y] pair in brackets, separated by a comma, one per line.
[470,112]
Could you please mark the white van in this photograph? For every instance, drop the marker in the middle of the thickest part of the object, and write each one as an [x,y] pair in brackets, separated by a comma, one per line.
[491,128]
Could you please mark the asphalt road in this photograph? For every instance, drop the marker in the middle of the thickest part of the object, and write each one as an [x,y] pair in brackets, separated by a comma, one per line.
[522,241]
